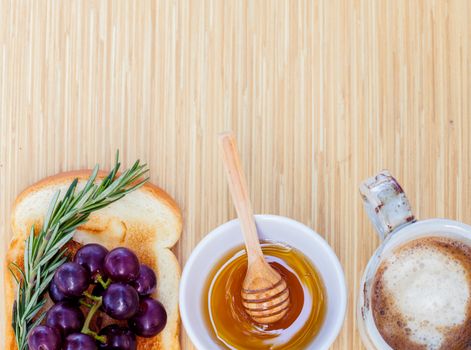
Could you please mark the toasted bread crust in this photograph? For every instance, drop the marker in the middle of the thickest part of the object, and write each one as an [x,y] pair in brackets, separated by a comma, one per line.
[69,176]
[147,255]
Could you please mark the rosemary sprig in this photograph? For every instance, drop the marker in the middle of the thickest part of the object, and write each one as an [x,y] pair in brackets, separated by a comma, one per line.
[44,252]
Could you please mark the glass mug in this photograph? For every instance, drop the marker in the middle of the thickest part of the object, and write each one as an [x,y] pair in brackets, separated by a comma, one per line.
[390,212]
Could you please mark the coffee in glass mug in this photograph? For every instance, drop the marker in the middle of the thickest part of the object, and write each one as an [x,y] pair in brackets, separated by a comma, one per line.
[416,290]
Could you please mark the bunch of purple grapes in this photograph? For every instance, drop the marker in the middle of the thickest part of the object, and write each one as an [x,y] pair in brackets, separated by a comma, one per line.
[113,282]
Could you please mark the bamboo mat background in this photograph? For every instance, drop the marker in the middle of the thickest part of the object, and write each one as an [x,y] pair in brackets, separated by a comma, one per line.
[321,95]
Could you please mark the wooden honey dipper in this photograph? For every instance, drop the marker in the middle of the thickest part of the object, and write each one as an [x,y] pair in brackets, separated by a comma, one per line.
[265,295]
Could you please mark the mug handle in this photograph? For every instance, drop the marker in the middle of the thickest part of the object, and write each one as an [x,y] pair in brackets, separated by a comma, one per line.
[386,203]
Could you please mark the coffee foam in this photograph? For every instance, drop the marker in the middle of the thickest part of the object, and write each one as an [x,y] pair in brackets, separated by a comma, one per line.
[422,298]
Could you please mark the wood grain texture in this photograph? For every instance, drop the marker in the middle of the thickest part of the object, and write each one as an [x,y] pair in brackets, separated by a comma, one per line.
[321,94]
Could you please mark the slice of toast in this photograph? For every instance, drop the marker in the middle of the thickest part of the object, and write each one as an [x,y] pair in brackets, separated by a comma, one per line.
[147,220]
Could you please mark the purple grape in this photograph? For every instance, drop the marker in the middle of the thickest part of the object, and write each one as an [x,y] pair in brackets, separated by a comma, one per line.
[56,295]
[146,283]
[44,338]
[92,257]
[79,341]
[72,279]
[65,317]
[150,319]
[118,338]
[120,301]
[122,265]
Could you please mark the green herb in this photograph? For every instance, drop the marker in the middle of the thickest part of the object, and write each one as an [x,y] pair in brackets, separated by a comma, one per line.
[44,252]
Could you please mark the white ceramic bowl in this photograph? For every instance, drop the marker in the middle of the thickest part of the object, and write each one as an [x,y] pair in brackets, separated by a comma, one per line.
[277,228]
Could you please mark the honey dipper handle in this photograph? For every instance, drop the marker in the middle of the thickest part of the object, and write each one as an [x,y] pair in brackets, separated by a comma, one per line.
[240,195]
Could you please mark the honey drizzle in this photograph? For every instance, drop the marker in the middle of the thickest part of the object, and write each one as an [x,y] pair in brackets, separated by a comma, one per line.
[231,325]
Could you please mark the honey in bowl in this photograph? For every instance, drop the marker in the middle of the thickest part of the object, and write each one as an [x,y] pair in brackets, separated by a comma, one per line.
[234,328]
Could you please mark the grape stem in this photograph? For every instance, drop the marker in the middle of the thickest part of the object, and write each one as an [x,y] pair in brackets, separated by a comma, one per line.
[86,326]
[104,284]
[92,297]
[84,302]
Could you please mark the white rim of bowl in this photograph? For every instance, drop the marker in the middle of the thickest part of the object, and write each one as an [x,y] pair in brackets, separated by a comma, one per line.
[339,321]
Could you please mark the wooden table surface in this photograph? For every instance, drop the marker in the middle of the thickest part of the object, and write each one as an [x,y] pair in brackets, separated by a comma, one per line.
[321,94]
